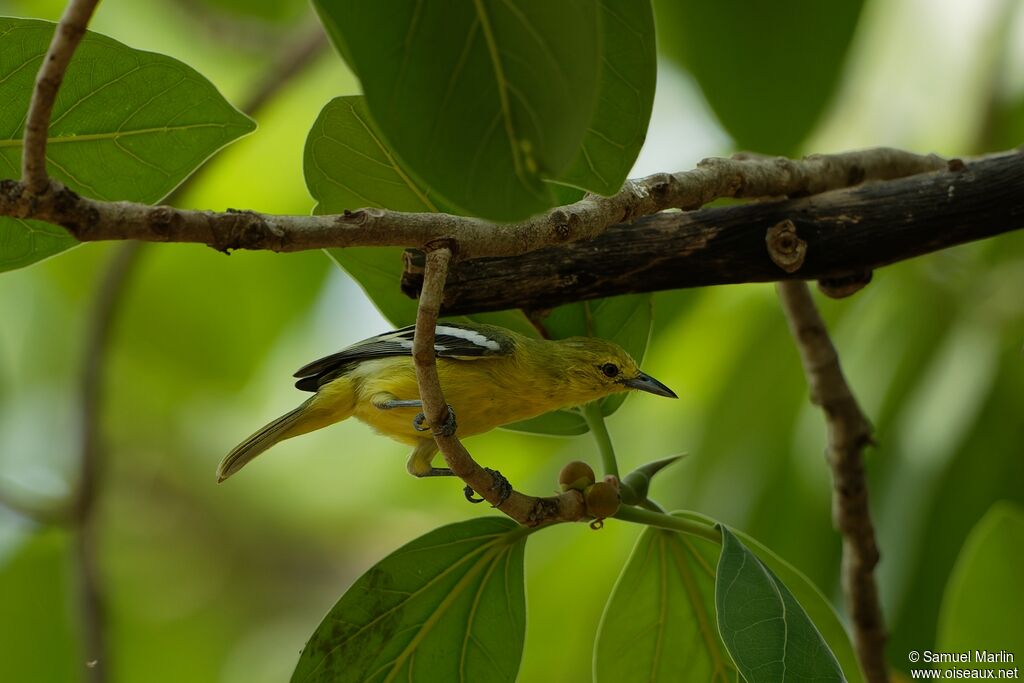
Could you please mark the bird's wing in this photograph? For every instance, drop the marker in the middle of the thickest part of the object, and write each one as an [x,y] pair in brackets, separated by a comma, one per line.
[452,340]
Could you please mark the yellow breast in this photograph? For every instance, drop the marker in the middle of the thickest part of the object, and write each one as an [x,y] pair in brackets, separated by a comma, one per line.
[484,393]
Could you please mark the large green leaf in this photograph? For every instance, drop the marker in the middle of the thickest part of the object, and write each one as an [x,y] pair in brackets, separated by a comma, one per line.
[450,606]
[348,165]
[769,635]
[767,69]
[22,243]
[628,76]
[659,623]
[982,607]
[127,125]
[481,99]
[814,603]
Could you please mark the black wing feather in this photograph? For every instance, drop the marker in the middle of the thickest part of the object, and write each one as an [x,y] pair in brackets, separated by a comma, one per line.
[474,343]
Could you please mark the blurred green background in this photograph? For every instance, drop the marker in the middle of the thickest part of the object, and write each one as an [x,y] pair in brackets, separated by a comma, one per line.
[225,583]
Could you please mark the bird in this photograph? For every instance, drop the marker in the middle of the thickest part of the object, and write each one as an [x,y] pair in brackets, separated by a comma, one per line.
[490,376]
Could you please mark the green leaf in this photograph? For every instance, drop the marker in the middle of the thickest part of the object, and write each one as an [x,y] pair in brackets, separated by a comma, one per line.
[769,635]
[127,125]
[482,100]
[450,606]
[807,594]
[35,593]
[817,606]
[555,423]
[626,95]
[378,270]
[348,165]
[768,69]
[22,243]
[983,603]
[625,320]
[659,623]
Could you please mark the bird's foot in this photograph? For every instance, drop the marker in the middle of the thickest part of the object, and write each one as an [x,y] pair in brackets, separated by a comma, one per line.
[447,429]
[499,484]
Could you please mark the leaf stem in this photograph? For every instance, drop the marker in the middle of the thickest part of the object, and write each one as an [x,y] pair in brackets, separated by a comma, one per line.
[649,504]
[595,421]
[629,513]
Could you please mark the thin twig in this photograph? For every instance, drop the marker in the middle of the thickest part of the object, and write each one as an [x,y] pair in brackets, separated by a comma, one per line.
[37,124]
[91,458]
[294,55]
[524,509]
[849,432]
[92,220]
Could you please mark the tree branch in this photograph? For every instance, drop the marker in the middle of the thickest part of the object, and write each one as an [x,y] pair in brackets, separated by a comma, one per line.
[835,237]
[750,177]
[37,123]
[526,510]
[91,457]
[849,432]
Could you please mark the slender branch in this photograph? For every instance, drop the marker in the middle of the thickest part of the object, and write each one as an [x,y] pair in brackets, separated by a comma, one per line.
[837,238]
[849,432]
[37,124]
[92,460]
[245,32]
[526,510]
[296,52]
[91,220]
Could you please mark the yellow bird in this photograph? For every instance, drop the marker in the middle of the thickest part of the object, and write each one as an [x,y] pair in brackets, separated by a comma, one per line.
[490,376]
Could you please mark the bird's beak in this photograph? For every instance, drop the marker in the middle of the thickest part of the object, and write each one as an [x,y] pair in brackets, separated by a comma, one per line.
[650,385]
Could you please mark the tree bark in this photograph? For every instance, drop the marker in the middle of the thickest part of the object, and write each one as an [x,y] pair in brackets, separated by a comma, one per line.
[836,237]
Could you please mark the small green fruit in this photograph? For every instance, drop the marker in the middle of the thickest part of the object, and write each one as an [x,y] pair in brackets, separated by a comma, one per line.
[602,500]
[576,475]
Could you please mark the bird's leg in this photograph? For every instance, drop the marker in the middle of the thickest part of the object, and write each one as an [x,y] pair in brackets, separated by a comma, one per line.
[419,461]
[392,403]
[500,484]
[386,401]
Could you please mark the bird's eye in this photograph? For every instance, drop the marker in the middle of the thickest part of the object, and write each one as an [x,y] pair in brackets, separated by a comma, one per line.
[610,369]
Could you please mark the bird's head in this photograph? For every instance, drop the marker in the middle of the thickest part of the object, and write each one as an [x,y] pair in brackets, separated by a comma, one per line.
[603,367]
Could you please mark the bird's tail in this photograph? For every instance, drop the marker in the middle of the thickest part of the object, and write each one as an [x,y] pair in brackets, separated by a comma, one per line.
[305,418]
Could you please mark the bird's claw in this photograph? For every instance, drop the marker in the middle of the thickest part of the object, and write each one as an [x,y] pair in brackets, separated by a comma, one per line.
[419,423]
[499,484]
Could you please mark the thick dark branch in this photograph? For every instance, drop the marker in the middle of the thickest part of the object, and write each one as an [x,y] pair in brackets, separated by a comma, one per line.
[845,234]
[91,220]
[849,432]
[526,510]
[37,124]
